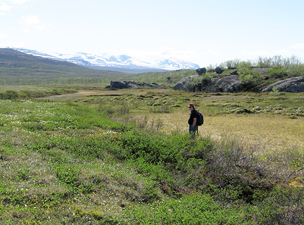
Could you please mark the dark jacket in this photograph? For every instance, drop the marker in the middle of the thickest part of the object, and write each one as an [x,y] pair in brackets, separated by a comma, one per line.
[193,115]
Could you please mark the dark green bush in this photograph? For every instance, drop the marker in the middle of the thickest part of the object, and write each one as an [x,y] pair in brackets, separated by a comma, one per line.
[247,76]
[9,95]
[296,70]
[277,72]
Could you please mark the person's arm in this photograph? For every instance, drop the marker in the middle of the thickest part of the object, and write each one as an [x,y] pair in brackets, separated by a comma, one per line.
[194,121]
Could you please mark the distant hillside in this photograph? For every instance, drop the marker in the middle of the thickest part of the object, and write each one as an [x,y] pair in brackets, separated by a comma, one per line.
[168,78]
[126,70]
[20,68]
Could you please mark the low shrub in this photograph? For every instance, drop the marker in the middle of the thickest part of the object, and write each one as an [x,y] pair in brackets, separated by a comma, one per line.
[277,72]
[9,95]
[247,76]
[192,209]
[296,70]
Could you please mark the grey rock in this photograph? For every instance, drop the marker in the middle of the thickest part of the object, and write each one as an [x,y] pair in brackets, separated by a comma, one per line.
[261,70]
[209,88]
[229,84]
[118,85]
[294,84]
[184,85]
[131,84]
[216,84]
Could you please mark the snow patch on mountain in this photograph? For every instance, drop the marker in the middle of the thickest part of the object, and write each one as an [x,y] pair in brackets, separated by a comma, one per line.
[120,61]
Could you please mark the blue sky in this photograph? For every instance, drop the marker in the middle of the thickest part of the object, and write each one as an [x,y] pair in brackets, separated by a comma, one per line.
[201,31]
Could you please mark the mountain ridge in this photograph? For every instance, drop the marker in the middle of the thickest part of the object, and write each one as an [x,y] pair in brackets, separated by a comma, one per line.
[121,63]
[20,68]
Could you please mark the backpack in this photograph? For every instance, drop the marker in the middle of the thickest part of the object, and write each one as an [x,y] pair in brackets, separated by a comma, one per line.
[200,120]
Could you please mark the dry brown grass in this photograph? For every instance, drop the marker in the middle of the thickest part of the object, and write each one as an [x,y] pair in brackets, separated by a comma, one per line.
[262,132]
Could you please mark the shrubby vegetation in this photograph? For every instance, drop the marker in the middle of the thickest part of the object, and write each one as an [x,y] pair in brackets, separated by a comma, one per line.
[247,76]
[266,62]
[278,68]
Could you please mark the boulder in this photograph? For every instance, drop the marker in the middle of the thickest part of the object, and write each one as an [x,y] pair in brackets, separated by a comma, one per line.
[184,84]
[261,70]
[131,84]
[229,84]
[294,84]
[118,84]
[201,71]
[219,70]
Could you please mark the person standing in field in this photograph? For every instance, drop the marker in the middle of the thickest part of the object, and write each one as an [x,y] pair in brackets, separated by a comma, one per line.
[192,121]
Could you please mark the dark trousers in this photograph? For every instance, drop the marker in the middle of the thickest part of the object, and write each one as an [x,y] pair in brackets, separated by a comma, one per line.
[192,129]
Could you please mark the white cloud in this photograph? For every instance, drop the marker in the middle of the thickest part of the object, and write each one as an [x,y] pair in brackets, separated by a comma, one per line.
[5,7]
[32,20]
[3,36]
[298,46]
[211,52]
[282,52]
[19,2]
[255,53]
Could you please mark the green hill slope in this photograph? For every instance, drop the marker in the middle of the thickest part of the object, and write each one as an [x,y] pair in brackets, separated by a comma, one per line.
[21,68]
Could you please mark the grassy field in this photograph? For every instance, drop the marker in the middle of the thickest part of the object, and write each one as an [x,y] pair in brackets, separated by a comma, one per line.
[124,157]
[274,121]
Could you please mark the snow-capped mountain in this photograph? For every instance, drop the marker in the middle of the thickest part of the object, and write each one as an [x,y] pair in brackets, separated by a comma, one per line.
[108,61]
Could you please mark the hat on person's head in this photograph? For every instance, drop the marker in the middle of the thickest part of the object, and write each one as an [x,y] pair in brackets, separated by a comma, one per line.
[191,105]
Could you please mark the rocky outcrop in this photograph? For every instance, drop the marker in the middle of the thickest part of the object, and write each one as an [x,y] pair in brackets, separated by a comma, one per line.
[229,84]
[131,84]
[118,84]
[185,84]
[216,84]
[294,84]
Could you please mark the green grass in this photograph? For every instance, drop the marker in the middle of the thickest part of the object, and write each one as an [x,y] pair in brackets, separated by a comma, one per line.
[88,160]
